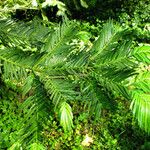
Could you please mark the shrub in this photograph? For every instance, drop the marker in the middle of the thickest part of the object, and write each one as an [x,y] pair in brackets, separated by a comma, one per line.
[55,67]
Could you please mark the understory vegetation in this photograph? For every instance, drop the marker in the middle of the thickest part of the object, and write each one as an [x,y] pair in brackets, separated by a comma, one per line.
[115,129]
[74,74]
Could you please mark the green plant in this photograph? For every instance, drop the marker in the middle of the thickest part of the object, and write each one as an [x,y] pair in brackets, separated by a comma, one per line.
[54,68]
[9,116]
[113,130]
[28,8]
[141,87]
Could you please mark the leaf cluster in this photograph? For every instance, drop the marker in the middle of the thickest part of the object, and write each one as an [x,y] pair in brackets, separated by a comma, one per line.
[55,67]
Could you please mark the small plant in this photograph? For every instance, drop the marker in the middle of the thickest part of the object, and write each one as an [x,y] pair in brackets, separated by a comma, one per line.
[52,68]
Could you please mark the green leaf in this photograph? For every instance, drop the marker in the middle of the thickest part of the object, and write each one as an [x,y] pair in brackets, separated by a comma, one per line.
[28,85]
[66,116]
[84,4]
[84,36]
[142,54]
[108,37]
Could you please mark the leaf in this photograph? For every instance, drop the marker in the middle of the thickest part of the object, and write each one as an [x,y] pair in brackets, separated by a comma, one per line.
[143,82]
[142,54]
[66,116]
[28,85]
[84,36]
[84,4]
[108,35]
[59,90]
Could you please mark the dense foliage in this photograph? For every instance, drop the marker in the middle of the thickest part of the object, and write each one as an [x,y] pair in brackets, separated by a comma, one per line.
[115,129]
[72,84]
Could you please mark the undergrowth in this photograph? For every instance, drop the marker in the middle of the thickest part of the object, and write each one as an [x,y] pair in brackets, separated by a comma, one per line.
[115,130]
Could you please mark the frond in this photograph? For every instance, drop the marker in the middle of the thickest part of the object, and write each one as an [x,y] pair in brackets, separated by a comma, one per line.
[56,44]
[28,84]
[117,88]
[112,61]
[60,90]
[141,101]
[20,49]
[141,88]
[111,52]
[35,111]
[117,53]
[13,72]
[27,38]
[94,97]
[16,65]
[107,39]
[18,59]
[142,54]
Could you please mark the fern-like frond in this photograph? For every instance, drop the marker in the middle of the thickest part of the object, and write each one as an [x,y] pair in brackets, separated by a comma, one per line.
[35,111]
[60,90]
[118,53]
[141,88]
[13,72]
[94,97]
[111,56]
[107,39]
[112,60]
[56,44]
[141,100]
[142,54]
[28,84]
[111,84]
[27,38]
[16,57]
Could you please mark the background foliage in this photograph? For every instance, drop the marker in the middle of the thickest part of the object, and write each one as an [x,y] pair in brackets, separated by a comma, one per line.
[116,129]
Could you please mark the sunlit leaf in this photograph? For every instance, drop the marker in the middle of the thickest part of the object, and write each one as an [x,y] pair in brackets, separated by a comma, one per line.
[142,54]
[66,116]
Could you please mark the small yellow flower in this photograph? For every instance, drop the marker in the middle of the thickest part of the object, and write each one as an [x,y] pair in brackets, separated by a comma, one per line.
[87,141]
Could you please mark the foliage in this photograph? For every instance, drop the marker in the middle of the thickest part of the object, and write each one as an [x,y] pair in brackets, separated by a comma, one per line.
[55,67]
[133,17]
[9,116]
[129,14]
[141,87]
[116,129]
[26,10]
